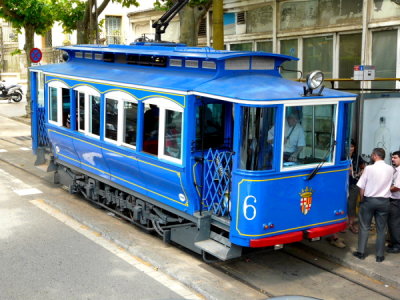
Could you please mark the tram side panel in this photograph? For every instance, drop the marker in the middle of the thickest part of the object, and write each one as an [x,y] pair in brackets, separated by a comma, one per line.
[132,168]
[286,204]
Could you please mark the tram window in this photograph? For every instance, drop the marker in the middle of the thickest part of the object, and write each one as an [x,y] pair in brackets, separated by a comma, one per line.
[121,118]
[309,133]
[59,104]
[88,111]
[94,115]
[111,119]
[66,107]
[173,133]
[81,111]
[257,148]
[130,116]
[151,124]
[212,129]
[53,109]
[346,133]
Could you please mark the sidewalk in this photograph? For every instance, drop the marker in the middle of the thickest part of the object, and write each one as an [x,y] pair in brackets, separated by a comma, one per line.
[388,272]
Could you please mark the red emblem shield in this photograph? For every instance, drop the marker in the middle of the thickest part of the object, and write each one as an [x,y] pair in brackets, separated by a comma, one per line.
[306,200]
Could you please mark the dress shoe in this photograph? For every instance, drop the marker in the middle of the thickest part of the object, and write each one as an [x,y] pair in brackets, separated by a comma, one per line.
[380,258]
[393,250]
[359,255]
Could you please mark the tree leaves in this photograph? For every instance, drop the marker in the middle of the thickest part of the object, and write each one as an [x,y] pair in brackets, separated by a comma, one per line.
[39,14]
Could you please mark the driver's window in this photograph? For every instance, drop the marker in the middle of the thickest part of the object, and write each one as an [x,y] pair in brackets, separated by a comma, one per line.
[308,135]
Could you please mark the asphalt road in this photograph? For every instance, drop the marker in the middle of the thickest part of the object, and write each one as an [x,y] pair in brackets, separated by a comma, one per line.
[46,255]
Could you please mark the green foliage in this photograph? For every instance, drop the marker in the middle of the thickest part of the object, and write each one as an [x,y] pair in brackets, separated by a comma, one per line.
[69,13]
[37,14]
[167,4]
[127,3]
[16,52]
[72,12]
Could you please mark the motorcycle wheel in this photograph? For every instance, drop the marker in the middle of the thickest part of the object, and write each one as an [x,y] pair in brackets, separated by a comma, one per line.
[17,97]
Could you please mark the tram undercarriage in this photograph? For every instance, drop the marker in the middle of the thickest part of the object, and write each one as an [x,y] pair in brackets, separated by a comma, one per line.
[202,233]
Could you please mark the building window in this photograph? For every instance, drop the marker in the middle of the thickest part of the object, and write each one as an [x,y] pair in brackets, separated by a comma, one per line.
[242,47]
[349,56]
[265,46]
[202,28]
[113,29]
[289,47]
[88,111]
[318,55]
[384,52]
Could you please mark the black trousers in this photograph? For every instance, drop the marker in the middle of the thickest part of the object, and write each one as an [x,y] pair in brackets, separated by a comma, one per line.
[378,208]
[394,222]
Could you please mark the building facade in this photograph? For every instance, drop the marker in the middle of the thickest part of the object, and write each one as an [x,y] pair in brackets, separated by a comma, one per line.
[331,35]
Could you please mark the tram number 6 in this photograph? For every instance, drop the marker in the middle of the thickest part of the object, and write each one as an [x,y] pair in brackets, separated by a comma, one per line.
[249,208]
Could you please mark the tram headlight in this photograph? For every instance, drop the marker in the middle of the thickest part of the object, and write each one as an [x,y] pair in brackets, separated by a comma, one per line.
[314,80]
[65,56]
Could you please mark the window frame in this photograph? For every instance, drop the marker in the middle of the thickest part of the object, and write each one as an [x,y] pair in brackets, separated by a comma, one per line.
[87,91]
[120,97]
[273,146]
[164,105]
[58,85]
[312,165]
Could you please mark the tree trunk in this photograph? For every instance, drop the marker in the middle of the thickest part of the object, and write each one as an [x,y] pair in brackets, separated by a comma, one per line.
[86,28]
[189,19]
[29,44]
[218,25]
[82,32]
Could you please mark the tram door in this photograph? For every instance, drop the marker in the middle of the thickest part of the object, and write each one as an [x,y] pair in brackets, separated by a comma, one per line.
[214,142]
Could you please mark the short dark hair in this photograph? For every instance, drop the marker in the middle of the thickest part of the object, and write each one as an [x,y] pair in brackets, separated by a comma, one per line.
[396,153]
[379,152]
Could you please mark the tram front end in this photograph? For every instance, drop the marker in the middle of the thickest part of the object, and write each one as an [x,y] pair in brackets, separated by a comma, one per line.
[291,169]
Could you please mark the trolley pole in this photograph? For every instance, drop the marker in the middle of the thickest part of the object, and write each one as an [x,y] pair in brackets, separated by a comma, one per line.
[218,24]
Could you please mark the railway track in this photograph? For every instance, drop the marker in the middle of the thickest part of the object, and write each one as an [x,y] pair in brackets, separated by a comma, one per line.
[300,270]
[296,270]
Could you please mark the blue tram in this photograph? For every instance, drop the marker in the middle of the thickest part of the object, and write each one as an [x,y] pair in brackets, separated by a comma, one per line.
[212,150]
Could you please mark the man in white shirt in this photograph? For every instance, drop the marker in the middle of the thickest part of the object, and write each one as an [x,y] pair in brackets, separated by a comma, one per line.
[374,184]
[294,139]
[394,208]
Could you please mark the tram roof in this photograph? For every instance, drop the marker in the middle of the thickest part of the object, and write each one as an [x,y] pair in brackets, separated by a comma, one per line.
[172,50]
[239,86]
[261,87]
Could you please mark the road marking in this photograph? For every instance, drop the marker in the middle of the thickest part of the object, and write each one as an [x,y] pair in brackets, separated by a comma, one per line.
[96,237]
[26,192]
[18,186]
[3,150]
[25,149]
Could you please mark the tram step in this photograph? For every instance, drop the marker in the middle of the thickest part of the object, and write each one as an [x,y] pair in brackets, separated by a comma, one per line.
[219,250]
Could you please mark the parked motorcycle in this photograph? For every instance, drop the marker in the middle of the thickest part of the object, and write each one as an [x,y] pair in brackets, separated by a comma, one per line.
[10,91]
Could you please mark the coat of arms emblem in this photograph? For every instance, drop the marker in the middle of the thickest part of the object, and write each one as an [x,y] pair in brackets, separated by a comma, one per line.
[306,200]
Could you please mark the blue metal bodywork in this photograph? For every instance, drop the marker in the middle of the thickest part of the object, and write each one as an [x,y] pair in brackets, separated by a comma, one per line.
[257,198]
